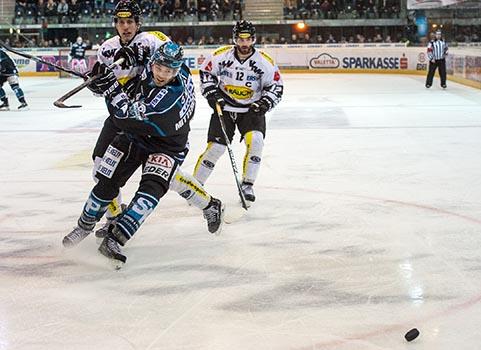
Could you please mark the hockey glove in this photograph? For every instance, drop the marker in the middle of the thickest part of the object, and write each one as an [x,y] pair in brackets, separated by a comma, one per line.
[213,97]
[260,107]
[136,55]
[107,83]
[132,87]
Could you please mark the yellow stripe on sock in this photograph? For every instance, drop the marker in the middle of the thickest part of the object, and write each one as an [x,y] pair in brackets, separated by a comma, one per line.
[248,138]
[199,161]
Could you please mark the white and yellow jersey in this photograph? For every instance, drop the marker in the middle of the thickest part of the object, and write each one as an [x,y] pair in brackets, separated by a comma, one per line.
[241,82]
[106,52]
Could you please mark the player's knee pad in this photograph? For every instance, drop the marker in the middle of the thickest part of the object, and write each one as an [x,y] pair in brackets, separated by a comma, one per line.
[190,189]
[254,141]
[207,160]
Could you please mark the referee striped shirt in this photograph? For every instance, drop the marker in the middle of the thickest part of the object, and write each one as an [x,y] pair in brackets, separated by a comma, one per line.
[437,50]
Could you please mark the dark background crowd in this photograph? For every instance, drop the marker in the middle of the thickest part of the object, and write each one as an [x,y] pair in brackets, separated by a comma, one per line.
[341,9]
[93,11]
[47,12]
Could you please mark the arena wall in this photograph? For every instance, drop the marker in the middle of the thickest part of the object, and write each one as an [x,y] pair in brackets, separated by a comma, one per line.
[463,64]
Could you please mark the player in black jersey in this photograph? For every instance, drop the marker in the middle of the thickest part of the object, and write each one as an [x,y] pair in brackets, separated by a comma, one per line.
[155,128]
[9,73]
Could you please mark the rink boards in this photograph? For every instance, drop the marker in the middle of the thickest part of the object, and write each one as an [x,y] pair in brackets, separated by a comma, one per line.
[463,66]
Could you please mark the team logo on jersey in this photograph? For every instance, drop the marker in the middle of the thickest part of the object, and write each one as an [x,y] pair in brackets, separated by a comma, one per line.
[254,68]
[224,64]
[108,53]
[239,92]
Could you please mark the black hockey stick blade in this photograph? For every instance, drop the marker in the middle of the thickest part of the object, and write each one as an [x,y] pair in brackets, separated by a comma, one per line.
[60,101]
[220,114]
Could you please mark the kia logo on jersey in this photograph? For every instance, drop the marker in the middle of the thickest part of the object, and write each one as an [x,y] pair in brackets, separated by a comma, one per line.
[161,159]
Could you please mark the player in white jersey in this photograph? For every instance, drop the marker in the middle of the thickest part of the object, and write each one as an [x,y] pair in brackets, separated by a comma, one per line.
[136,48]
[77,56]
[246,83]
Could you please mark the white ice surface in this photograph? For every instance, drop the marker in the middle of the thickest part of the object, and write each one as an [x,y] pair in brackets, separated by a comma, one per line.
[367,224]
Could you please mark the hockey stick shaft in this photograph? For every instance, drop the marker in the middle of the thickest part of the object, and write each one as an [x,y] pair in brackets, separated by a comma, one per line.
[220,114]
[60,102]
[37,59]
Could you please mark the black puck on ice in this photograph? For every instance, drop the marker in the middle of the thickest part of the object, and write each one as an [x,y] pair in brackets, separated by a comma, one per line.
[412,334]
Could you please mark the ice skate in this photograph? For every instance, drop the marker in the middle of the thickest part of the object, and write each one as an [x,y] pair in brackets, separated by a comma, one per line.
[214,214]
[23,106]
[248,191]
[104,230]
[77,235]
[110,248]
[4,106]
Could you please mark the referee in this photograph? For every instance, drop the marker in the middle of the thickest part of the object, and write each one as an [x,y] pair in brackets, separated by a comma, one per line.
[437,52]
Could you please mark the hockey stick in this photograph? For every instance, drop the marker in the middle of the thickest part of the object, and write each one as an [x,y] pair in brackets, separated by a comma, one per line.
[60,101]
[220,114]
[36,59]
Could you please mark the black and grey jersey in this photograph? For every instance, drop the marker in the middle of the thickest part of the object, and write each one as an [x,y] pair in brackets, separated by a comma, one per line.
[437,50]
[77,51]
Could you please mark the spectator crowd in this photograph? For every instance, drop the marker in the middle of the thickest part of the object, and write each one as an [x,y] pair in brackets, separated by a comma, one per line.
[101,11]
[341,9]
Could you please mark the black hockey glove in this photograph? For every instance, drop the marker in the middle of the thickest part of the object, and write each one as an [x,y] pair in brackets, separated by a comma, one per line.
[107,83]
[261,106]
[136,55]
[132,87]
[213,97]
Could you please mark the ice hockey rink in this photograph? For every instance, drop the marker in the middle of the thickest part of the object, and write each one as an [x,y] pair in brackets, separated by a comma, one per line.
[367,224]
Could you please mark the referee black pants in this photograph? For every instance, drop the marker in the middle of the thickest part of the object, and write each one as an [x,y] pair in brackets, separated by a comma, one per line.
[441,66]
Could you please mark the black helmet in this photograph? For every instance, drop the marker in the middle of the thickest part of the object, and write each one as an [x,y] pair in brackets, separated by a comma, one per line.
[127,9]
[169,54]
[243,29]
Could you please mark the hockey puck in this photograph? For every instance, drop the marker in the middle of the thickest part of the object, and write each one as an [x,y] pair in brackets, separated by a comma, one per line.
[412,334]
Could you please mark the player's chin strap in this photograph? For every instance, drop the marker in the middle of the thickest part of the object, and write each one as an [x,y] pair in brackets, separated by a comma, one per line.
[60,102]
[220,114]
[37,59]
